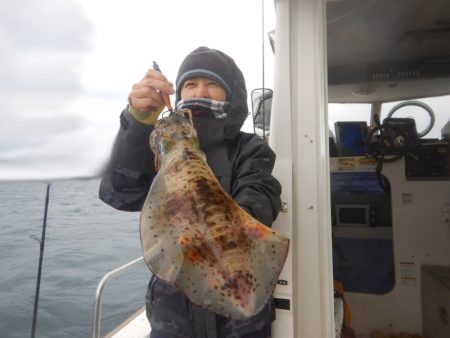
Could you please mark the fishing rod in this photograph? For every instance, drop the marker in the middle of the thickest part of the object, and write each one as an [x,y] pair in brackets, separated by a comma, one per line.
[41,257]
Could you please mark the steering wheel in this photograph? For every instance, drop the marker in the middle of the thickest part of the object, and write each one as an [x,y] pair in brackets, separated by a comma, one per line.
[421,105]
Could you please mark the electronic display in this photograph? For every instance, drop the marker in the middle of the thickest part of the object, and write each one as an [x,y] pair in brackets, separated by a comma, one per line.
[350,138]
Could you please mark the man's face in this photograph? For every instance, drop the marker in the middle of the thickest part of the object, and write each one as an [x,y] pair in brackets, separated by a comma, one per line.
[202,87]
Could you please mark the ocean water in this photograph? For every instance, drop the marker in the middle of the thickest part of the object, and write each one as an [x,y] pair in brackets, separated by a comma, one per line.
[85,239]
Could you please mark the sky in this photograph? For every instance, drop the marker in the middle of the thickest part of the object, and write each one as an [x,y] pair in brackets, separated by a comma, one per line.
[66,69]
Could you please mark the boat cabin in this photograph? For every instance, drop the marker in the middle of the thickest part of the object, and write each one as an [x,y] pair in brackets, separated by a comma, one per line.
[360,121]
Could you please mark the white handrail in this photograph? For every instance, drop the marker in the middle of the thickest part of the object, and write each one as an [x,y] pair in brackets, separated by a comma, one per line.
[98,294]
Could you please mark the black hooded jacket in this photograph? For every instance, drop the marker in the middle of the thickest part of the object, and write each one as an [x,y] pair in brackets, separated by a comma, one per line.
[242,162]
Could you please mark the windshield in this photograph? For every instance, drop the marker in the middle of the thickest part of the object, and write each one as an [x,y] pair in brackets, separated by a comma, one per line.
[439,105]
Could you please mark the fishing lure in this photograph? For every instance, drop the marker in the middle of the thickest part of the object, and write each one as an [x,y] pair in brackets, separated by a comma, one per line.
[196,237]
[165,97]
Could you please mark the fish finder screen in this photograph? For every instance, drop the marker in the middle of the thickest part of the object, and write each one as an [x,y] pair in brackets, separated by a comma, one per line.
[350,137]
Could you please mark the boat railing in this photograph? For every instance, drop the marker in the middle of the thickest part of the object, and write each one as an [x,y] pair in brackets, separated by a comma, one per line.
[98,294]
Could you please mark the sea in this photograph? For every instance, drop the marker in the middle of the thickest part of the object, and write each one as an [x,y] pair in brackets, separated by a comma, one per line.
[84,240]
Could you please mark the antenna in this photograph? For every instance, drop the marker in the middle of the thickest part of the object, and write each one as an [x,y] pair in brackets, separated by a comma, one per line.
[263,74]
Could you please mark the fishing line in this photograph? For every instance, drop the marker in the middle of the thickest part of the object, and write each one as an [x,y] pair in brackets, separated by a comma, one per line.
[41,256]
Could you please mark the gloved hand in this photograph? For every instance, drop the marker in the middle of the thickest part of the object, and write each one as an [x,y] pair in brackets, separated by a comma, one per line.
[145,102]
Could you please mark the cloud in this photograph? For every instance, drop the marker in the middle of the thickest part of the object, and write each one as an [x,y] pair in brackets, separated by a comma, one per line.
[66,69]
[43,45]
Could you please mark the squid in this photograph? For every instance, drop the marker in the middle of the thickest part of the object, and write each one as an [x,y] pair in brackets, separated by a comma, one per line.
[196,237]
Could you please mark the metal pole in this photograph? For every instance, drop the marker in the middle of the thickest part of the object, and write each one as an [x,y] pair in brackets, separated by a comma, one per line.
[98,294]
[263,72]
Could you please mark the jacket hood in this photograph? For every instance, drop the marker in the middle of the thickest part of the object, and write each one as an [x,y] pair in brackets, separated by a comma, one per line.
[218,66]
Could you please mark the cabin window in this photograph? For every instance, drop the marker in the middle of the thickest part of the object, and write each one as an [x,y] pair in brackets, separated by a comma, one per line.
[439,105]
[343,112]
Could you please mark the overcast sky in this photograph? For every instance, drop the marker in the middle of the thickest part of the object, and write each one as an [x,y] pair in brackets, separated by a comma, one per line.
[67,66]
[66,69]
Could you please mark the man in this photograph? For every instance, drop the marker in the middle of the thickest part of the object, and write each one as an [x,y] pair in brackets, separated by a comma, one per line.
[213,87]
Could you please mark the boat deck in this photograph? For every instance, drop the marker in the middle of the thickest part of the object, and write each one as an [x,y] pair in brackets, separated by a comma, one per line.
[136,326]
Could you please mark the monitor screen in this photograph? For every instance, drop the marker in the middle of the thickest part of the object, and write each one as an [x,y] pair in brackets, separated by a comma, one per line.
[350,138]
